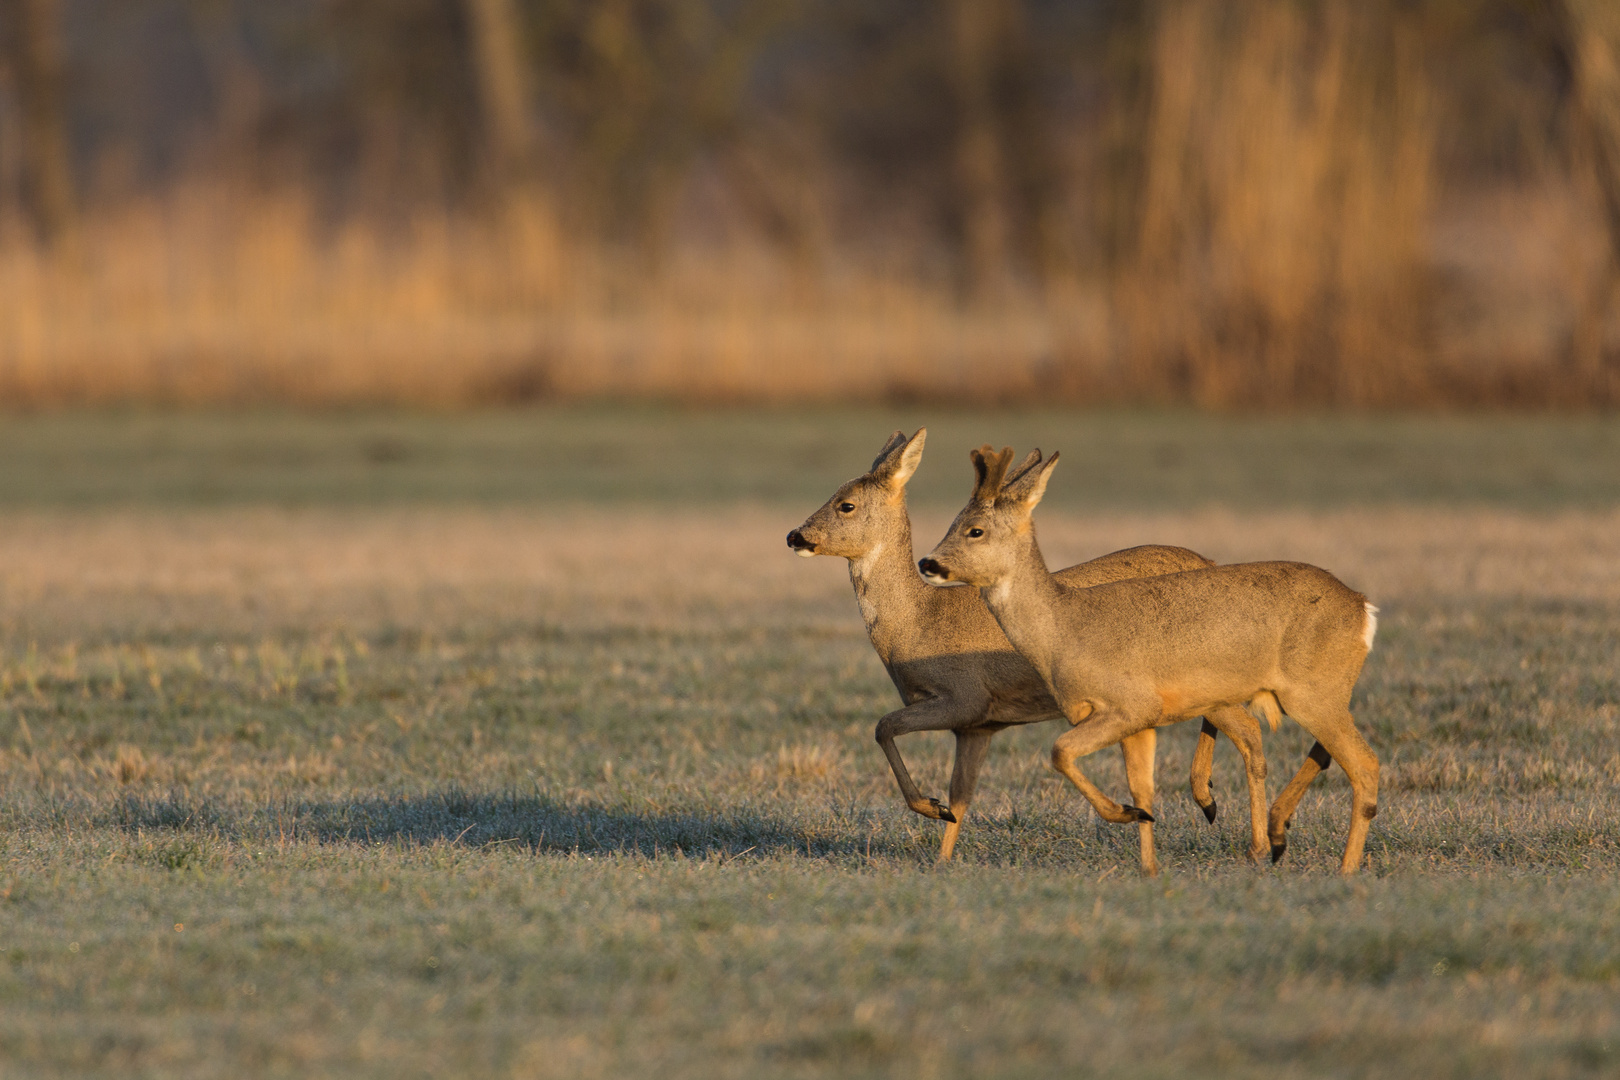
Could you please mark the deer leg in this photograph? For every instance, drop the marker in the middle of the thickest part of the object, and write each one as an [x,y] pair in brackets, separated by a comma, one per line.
[1087,737]
[971,747]
[1339,735]
[1361,764]
[932,714]
[1203,764]
[1139,749]
[1282,811]
[1244,731]
[1328,718]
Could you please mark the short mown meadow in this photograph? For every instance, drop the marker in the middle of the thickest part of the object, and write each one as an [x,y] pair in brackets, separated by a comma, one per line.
[519,746]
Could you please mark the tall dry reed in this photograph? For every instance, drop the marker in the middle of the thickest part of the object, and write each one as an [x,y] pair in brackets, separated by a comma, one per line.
[1278,252]
[1288,177]
[214,296]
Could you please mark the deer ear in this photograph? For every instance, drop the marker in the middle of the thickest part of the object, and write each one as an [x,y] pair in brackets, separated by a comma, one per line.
[897,439]
[904,461]
[1031,485]
[1031,459]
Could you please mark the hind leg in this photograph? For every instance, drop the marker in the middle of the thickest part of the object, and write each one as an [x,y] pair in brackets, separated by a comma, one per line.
[1282,811]
[1335,729]
[1244,731]
[1203,764]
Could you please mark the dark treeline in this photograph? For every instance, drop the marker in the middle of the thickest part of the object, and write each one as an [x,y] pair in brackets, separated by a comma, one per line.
[956,123]
[1266,195]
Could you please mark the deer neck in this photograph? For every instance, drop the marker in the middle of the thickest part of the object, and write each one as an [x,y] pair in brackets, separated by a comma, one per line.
[889,590]
[1025,605]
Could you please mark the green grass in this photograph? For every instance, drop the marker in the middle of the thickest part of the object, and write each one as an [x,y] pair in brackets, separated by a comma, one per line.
[581,846]
[670,456]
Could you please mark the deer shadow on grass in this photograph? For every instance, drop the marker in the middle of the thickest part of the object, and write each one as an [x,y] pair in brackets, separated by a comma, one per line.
[544,824]
[540,823]
[1537,837]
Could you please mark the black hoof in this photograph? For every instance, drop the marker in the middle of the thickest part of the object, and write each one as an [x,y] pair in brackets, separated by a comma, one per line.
[1138,814]
[1277,851]
[1209,811]
[942,812]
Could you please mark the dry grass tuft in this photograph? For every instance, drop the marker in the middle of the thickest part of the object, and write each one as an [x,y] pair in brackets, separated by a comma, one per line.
[806,762]
[130,766]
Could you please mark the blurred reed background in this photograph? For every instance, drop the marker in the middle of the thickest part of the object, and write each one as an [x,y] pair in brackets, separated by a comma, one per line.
[1230,203]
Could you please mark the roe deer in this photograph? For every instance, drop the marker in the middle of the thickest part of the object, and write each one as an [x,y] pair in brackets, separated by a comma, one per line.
[954,668]
[1124,657]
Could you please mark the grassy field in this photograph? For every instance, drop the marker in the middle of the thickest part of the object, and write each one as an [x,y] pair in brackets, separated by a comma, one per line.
[667,457]
[517,745]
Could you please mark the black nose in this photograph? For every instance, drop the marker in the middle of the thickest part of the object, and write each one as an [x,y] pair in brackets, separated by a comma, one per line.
[797,542]
[931,568]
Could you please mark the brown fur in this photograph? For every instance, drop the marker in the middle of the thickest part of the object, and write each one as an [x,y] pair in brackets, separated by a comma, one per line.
[1124,657]
[951,663]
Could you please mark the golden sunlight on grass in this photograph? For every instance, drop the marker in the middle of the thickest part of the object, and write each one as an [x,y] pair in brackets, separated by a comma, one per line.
[243,570]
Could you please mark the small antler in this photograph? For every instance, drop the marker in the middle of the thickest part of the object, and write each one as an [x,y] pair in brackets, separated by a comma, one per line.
[992,469]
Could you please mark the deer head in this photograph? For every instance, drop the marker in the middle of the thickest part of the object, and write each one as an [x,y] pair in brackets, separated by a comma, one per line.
[983,544]
[864,513]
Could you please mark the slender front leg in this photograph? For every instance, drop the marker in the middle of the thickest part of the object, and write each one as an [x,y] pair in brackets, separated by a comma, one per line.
[1138,750]
[971,748]
[1087,737]
[1204,764]
[931,714]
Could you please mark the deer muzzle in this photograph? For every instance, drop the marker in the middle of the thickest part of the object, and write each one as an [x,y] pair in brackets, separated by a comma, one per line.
[800,545]
[934,571]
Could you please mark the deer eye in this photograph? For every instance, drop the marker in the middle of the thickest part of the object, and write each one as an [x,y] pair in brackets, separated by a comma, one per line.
[846,508]
[975,533]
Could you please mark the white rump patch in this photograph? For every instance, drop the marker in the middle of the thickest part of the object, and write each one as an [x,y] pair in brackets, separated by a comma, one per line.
[1372,626]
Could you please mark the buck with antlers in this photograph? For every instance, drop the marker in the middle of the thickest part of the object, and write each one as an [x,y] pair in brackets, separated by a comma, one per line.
[1125,657]
[955,669]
